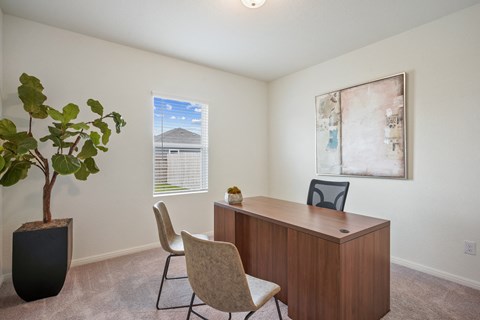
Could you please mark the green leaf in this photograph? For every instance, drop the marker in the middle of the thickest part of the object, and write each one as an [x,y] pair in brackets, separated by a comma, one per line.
[82,173]
[55,139]
[41,113]
[32,98]
[88,150]
[55,131]
[66,144]
[104,149]
[95,106]
[79,126]
[68,134]
[31,81]
[46,138]
[30,92]
[55,115]
[70,112]
[24,145]
[91,165]
[65,164]
[106,136]
[106,132]
[10,146]
[17,137]
[119,122]
[95,136]
[21,142]
[7,127]
[2,163]
[100,125]
[6,165]
[17,171]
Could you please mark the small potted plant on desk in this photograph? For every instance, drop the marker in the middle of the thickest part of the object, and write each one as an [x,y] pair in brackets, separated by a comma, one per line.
[42,250]
[233,195]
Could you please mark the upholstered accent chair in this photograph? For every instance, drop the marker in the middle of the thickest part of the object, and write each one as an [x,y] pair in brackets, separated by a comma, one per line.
[171,242]
[328,194]
[217,277]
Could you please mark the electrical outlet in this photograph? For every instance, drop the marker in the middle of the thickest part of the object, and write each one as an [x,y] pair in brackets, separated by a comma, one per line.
[471,247]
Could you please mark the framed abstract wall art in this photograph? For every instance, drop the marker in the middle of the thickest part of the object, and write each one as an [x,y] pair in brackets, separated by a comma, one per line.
[361,130]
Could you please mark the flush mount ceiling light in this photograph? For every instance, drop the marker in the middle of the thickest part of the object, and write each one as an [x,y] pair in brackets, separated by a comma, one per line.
[253,3]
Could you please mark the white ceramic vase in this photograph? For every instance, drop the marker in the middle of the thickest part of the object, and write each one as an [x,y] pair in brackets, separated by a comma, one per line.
[233,198]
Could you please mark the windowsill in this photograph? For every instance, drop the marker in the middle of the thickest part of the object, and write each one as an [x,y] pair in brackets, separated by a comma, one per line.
[178,193]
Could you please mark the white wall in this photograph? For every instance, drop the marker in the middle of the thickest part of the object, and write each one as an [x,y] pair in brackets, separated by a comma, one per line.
[112,211]
[437,208]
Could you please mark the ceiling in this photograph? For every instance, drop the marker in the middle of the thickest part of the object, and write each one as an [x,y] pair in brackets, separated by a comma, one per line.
[266,43]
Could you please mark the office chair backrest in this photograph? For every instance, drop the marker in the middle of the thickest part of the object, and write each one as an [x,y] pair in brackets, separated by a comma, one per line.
[166,233]
[216,274]
[328,194]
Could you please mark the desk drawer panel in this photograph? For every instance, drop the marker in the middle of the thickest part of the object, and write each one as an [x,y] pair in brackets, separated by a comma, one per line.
[313,279]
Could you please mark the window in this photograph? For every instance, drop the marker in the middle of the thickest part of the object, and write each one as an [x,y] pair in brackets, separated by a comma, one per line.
[180,138]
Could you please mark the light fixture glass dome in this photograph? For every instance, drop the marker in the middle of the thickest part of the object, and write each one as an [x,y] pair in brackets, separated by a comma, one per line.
[253,3]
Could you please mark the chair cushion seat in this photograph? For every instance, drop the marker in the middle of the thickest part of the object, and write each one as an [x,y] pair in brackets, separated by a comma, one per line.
[176,244]
[261,290]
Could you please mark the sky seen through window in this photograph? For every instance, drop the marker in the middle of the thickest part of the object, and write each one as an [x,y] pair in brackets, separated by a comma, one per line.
[170,114]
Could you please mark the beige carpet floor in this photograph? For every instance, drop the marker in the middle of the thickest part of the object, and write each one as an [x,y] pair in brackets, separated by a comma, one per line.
[126,288]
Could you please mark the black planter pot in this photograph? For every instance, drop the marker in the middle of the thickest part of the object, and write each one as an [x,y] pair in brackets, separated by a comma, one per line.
[41,259]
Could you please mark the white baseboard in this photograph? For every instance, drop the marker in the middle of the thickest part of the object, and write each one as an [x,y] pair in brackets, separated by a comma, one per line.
[114,254]
[119,253]
[437,273]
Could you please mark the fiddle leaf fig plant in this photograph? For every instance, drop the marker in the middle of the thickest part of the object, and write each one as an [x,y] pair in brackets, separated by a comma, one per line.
[75,143]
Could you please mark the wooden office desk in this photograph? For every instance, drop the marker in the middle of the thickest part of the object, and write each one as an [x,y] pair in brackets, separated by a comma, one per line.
[324,273]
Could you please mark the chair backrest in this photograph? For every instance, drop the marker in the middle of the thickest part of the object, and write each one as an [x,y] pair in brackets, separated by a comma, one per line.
[166,233]
[328,194]
[216,274]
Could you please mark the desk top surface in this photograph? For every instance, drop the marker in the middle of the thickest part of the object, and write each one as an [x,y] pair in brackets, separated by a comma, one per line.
[320,222]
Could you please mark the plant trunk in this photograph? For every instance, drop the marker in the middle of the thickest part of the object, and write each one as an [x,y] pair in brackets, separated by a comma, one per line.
[47,193]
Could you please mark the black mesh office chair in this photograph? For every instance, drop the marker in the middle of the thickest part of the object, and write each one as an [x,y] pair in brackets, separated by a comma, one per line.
[328,194]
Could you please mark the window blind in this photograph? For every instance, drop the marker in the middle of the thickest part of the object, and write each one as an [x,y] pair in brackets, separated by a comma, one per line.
[180,146]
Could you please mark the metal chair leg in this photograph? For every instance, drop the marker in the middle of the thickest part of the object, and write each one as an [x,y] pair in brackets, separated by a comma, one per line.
[278,309]
[164,277]
[190,306]
[198,315]
[190,310]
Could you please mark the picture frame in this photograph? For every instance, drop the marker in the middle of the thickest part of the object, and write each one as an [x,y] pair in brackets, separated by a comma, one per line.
[361,130]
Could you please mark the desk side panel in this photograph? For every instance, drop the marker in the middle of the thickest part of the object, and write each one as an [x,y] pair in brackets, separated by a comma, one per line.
[365,276]
[313,277]
[279,251]
[382,272]
[246,229]
[224,224]
[263,248]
